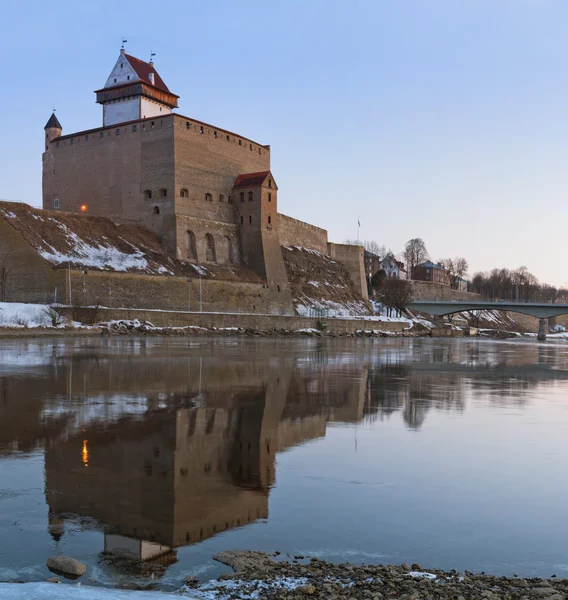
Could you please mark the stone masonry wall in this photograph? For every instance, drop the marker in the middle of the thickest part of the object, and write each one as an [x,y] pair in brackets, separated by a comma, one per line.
[112,170]
[124,290]
[293,232]
[424,290]
[255,321]
[29,277]
[352,257]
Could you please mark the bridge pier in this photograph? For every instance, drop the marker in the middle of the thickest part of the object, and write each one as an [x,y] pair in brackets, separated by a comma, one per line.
[542,328]
[438,321]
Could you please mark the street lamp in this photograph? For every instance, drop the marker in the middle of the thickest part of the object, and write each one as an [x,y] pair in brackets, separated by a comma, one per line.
[189,280]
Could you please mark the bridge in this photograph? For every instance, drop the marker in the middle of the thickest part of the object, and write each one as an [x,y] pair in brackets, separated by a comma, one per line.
[541,311]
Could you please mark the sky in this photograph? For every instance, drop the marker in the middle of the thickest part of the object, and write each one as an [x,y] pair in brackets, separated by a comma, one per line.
[440,119]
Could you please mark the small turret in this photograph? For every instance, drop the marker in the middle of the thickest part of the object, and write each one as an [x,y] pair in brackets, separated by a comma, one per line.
[52,129]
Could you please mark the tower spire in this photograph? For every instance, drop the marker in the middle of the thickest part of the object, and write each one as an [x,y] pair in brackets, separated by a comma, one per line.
[53,122]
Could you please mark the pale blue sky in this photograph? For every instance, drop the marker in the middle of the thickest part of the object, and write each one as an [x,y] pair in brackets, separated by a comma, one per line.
[444,119]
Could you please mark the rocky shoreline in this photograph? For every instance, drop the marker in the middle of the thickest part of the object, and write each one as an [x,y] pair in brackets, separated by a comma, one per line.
[146,328]
[258,575]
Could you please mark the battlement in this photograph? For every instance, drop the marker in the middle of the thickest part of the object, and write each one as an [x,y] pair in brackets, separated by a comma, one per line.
[180,121]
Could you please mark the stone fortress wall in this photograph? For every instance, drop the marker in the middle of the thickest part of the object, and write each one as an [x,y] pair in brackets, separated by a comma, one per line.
[293,232]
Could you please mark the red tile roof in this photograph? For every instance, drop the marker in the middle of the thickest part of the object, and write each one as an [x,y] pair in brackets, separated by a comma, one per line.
[143,70]
[250,179]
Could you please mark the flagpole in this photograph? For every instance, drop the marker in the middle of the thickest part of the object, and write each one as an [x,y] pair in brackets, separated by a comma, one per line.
[358,228]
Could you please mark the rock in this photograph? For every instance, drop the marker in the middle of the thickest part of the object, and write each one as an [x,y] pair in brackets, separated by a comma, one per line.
[52,580]
[307,590]
[68,567]
[543,592]
[191,581]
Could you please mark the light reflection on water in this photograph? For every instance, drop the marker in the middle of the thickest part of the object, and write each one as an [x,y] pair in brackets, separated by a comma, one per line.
[144,457]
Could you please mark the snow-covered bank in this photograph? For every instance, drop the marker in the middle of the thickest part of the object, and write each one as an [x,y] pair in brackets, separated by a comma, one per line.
[19,315]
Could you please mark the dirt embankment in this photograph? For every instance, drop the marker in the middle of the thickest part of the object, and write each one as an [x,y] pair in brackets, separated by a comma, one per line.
[319,282]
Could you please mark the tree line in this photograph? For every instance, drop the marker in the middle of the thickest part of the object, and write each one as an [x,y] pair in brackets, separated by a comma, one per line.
[518,285]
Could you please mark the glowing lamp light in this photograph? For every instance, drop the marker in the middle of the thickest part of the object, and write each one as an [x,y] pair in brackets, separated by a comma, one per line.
[83,208]
[85,454]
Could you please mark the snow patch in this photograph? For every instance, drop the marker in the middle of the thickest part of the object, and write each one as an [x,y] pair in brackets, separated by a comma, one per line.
[422,575]
[97,256]
[20,315]
[200,270]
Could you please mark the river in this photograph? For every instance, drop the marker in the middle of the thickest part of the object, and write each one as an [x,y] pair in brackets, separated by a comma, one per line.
[143,457]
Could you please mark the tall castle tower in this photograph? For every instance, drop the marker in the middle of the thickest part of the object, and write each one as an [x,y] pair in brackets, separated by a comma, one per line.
[134,90]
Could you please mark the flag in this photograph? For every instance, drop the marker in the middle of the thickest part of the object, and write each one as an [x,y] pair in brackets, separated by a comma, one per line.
[358,222]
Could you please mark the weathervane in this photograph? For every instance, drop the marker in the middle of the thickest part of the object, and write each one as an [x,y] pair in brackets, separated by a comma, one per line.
[123,42]
[152,54]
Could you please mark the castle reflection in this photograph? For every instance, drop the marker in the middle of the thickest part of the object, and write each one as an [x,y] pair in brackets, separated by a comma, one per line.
[162,445]
[181,465]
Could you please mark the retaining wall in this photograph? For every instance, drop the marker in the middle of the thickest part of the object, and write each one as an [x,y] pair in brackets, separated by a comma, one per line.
[161,318]
[424,290]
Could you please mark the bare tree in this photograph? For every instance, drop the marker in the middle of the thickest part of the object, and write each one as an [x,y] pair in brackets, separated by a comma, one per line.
[457,268]
[396,294]
[414,253]
[376,248]
[370,245]
[519,285]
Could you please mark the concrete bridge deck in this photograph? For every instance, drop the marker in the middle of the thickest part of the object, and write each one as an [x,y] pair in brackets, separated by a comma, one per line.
[539,310]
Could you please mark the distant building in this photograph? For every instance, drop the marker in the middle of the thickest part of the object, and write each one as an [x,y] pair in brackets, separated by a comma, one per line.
[461,284]
[394,269]
[432,272]
[372,263]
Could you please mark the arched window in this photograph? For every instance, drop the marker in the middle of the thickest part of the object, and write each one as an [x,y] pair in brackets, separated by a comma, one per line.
[184,193]
[210,245]
[229,250]
[270,183]
[156,210]
[208,198]
[191,246]
[242,196]
[163,192]
[221,198]
[250,196]
[148,194]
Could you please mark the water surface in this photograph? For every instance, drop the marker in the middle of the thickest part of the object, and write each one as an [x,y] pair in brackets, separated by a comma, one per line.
[144,457]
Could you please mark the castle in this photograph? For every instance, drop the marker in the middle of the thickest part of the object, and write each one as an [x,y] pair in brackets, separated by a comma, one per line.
[208,194]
